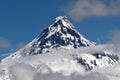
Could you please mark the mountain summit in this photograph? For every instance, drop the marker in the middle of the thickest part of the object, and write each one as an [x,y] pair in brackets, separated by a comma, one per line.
[59,34]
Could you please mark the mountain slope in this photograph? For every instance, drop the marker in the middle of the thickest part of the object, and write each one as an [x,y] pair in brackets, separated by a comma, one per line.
[68,54]
[59,34]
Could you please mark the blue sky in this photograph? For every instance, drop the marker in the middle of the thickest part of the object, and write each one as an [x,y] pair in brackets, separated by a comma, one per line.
[22,20]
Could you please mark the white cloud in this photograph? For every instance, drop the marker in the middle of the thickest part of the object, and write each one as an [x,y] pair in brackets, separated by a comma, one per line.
[20,45]
[80,9]
[115,40]
[21,71]
[4,43]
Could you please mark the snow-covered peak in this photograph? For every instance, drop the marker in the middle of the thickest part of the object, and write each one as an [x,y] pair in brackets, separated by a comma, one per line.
[60,18]
[63,21]
[60,34]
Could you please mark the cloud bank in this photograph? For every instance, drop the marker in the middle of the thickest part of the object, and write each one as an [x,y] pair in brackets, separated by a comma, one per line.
[21,71]
[80,9]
